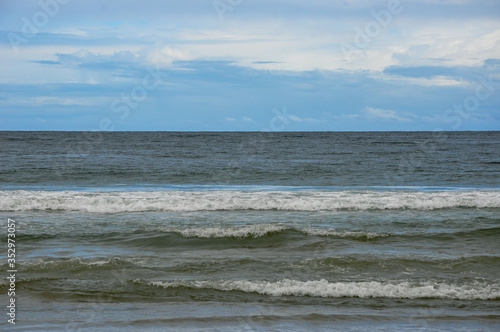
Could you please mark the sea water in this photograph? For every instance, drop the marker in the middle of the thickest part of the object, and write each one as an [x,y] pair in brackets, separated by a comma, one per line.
[258,231]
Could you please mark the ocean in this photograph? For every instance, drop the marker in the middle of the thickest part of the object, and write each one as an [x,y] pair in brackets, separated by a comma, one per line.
[251,231]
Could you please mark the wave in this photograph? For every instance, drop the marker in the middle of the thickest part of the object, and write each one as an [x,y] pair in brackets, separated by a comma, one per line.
[344,234]
[217,232]
[257,231]
[118,284]
[364,263]
[185,201]
[253,231]
[254,235]
[364,289]
[67,265]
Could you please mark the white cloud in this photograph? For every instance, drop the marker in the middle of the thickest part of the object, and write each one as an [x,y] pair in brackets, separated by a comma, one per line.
[243,119]
[299,43]
[53,101]
[371,113]
[164,56]
[460,44]
[247,119]
[383,114]
[424,81]
[294,118]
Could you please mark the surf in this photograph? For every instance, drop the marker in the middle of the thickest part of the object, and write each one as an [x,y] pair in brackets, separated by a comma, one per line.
[187,201]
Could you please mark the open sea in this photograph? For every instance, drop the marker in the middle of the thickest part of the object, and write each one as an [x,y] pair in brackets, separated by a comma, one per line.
[296,231]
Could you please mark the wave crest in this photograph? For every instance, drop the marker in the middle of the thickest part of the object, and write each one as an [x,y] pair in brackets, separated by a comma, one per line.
[184,201]
[366,289]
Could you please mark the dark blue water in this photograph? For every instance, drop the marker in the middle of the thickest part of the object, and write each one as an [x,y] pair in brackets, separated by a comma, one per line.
[254,231]
[285,159]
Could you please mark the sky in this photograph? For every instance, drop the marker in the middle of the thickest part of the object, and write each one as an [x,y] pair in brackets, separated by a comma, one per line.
[250,65]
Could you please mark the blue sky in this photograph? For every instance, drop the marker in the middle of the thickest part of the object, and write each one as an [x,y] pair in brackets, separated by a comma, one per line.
[250,65]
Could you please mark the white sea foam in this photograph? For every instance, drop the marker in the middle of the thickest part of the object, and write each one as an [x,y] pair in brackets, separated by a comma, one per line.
[259,231]
[338,233]
[73,262]
[221,232]
[366,289]
[143,201]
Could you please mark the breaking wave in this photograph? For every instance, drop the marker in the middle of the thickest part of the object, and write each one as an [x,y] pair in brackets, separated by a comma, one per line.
[364,289]
[184,201]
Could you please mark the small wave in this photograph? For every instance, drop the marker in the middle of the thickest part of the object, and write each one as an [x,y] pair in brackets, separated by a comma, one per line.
[169,235]
[324,288]
[257,231]
[346,234]
[252,231]
[173,234]
[75,264]
[184,201]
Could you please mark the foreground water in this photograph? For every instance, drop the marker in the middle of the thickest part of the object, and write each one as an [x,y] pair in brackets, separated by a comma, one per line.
[253,231]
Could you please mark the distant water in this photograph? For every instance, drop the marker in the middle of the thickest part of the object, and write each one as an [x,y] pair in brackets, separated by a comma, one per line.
[253,231]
